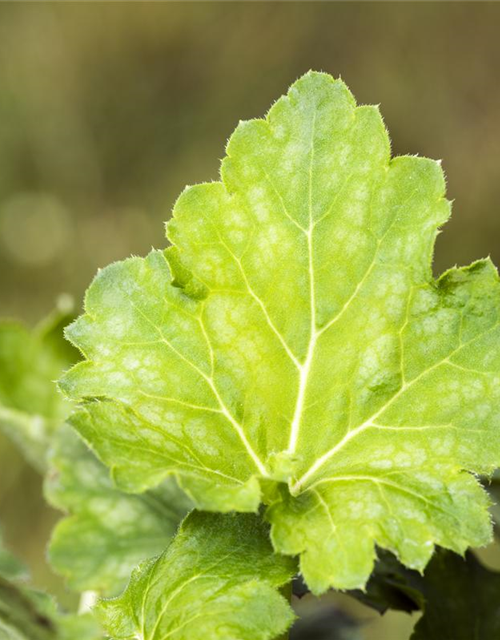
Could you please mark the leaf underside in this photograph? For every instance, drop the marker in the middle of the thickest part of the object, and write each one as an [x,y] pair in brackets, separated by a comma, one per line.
[293,348]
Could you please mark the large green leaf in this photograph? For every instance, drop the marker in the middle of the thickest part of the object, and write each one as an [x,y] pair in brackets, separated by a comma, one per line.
[217,580]
[31,406]
[108,532]
[303,354]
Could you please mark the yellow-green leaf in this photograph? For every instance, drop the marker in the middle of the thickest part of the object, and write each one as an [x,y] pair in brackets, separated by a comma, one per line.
[293,347]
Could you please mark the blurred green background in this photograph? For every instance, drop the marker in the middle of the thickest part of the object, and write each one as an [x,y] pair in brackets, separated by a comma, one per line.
[108,110]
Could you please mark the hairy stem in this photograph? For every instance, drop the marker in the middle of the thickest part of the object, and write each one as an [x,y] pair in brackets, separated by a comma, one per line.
[87,601]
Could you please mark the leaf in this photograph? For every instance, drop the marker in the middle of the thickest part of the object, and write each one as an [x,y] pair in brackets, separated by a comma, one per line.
[462,600]
[217,580]
[10,566]
[108,532]
[298,351]
[31,406]
[26,614]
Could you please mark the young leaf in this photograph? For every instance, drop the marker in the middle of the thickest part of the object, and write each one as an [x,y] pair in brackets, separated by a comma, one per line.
[217,580]
[31,407]
[108,532]
[298,350]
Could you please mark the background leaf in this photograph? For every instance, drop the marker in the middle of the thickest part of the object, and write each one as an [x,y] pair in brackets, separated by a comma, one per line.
[462,600]
[459,597]
[108,532]
[10,566]
[27,614]
[392,586]
[31,407]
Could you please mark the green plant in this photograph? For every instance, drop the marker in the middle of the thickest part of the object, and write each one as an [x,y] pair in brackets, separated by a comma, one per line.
[290,370]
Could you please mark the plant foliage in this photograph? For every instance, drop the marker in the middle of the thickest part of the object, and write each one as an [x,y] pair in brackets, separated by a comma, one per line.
[31,408]
[292,348]
[291,374]
[108,532]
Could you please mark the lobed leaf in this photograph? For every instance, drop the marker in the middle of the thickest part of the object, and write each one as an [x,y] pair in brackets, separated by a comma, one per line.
[219,579]
[293,347]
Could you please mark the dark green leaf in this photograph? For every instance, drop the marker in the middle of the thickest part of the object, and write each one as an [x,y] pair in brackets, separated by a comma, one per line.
[462,600]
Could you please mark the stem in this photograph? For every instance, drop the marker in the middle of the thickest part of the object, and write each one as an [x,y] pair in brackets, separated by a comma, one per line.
[286,592]
[87,601]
